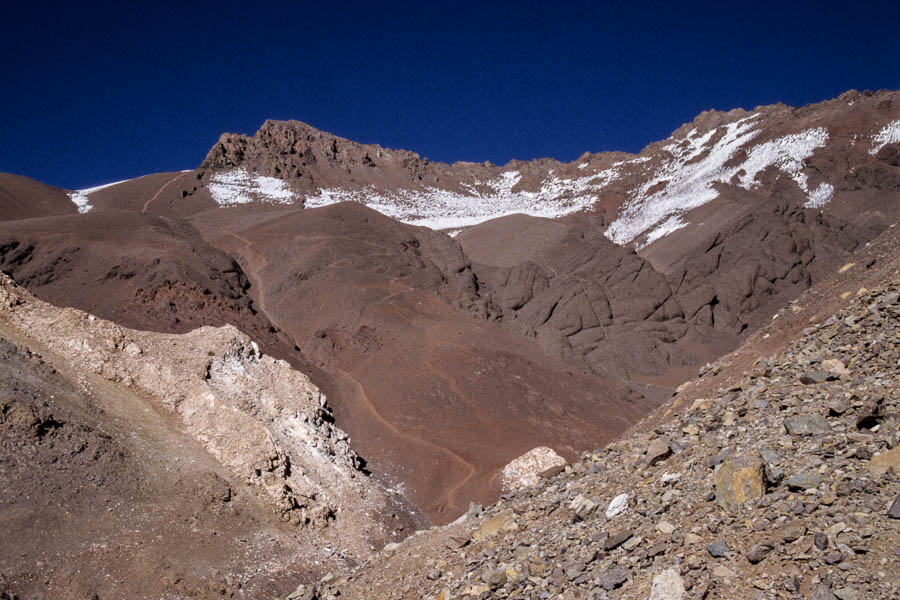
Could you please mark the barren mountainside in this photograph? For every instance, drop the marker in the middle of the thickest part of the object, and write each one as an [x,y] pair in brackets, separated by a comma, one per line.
[470,325]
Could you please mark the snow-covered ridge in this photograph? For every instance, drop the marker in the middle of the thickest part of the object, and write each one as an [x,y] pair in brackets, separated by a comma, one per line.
[890,134]
[80,197]
[445,209]
[685,181]
[240,187]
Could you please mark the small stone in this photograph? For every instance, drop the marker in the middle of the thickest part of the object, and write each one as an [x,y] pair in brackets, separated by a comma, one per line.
[820,540]
[807,425]
[617,539]
[433,574]
[613,578]
[837,528]
[889,298]
[792,530]
[804,480]
[574,570]
[667,585]
[814,377]
[759,553]
[552,472]
[774,473]
[738,480]
[504,521]
[668,478]
[692,539]
[583,506]
[792,584]
[632,543]
[658,451]
[658,547]
[718,549]
[823,592]
[665,527]
[617,506]
[847,593]
[894,511]
[833,557]
[475,590]
[455,542]
[701,404]
[723,572]
[833,365]
[494,578]
[838,407]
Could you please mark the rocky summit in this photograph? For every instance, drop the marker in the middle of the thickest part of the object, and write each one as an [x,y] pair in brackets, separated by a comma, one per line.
[318,368]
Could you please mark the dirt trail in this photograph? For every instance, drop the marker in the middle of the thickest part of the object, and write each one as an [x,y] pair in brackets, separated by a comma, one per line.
[450,498]
[160,191]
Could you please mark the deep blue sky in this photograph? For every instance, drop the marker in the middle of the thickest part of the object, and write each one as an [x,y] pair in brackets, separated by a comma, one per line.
[98,93]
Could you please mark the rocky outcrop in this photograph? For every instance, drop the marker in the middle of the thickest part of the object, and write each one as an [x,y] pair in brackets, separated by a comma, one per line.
[308,157]
[586,300]
[265,422]
[735,279]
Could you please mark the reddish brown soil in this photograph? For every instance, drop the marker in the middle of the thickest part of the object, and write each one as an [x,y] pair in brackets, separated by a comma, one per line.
[24,198]
[434,398]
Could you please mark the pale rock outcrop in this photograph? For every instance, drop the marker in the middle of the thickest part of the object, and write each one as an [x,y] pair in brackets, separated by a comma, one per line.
[266,422]
[525,470]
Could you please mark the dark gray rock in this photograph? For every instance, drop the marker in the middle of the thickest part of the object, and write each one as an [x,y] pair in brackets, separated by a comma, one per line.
[805,480]
[617,539]
[614,578]
[820,540]
[894,511]
[718,549]
[813,377]
[807,425]
[823,592]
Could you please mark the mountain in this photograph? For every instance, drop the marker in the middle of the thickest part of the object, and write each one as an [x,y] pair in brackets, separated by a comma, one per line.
[472,324]
[773,475]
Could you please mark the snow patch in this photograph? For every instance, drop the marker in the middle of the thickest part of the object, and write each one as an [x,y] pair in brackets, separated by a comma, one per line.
[80,197]
[820,196]
[788,153]
[889,135]
[240,187]
[442,209]
[686,180]
[673,223]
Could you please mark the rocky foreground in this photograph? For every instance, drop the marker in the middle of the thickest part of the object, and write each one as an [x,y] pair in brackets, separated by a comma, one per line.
[784,483]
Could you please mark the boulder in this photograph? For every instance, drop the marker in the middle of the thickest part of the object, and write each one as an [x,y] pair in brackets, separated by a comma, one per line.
[740,479]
